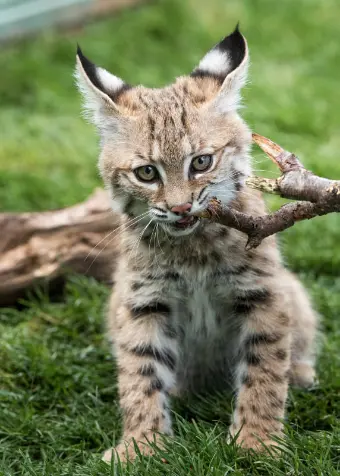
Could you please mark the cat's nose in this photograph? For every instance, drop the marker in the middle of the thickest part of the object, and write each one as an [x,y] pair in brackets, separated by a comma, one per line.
[183,208]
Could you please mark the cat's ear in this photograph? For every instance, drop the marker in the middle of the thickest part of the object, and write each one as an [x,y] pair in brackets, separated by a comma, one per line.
[226,63]
[100,90]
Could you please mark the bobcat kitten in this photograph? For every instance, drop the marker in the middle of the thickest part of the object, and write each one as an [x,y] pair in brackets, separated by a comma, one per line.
[191,309]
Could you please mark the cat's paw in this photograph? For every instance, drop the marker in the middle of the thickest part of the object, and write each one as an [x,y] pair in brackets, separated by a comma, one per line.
[126,450]
[302,375]
[250,439]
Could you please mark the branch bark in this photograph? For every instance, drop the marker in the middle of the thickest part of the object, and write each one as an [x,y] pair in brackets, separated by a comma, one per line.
[296,182]
[318,196]
[259,228]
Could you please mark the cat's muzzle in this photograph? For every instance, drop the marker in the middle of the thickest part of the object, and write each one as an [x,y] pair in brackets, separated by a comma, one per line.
[186,222]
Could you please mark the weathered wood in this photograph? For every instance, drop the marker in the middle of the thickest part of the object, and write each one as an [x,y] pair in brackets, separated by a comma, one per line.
[259,228]
[296,182]
[41,247]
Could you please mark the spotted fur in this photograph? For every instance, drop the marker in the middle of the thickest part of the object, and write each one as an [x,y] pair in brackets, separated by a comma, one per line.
[191,309]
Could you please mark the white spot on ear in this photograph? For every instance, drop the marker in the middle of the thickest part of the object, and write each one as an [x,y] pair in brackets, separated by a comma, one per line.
[219,61]
[215,62]
[109,81]
[98,106]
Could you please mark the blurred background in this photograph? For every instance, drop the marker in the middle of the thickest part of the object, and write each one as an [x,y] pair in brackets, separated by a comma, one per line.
[48,158]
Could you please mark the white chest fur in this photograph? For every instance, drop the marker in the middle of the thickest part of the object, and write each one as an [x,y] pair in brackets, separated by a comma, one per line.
[202,315]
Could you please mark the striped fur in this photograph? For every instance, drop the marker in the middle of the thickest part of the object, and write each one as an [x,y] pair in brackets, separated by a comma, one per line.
[191,309]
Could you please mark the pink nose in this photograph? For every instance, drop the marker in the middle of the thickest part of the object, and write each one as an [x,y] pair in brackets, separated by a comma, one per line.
[180,209]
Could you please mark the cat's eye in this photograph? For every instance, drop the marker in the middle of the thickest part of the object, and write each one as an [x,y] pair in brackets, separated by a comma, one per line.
[146,173]
[201,163]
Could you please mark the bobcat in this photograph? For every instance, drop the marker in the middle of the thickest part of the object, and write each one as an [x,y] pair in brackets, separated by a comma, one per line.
[192,310]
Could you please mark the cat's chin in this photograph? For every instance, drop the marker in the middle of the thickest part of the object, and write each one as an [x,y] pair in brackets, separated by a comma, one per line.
[174,229]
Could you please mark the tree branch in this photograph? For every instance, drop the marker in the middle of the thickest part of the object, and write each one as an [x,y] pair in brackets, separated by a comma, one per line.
[258,228]
[318,196]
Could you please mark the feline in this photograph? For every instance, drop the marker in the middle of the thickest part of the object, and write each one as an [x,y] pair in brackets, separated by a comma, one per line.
[191,309]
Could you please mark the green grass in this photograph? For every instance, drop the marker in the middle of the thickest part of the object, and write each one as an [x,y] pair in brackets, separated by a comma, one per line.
[57,382]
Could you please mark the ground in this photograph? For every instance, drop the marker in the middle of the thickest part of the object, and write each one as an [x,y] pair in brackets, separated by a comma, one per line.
[58,388]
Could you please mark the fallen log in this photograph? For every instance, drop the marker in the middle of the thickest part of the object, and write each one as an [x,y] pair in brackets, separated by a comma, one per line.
[41,247]
[44,246]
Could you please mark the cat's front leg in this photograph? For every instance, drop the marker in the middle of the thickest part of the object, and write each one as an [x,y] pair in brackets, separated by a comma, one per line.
[262,371]
[146,350]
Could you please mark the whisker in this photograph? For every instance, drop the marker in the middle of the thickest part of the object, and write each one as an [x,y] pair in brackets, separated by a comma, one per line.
[139,240]
[168,238]
[110,241]
[157,261]
[100,241]
[158,239]
[113,231]
[239,192]
[151,239]
[267,171]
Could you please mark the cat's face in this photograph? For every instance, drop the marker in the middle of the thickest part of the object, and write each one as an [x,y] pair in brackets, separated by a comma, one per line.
[166,152]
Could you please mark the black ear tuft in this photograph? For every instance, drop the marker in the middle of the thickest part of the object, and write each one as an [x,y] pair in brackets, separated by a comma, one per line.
[90,69]
[235,46]
[224,58]
[101,79]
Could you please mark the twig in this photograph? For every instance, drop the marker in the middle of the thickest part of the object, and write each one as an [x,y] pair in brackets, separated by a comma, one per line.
[317,196]
[296,182]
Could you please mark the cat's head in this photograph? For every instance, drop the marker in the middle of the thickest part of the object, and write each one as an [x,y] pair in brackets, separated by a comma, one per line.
[165,152]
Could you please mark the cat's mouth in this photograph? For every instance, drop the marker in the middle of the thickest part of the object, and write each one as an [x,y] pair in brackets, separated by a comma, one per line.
[183,226]
[186,222]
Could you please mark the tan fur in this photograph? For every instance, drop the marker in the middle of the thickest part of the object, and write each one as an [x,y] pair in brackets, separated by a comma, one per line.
[192,310]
